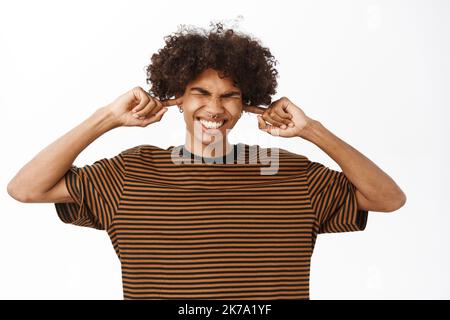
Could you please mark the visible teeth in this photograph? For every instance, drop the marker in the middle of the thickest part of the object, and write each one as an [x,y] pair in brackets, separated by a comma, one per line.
[211,124]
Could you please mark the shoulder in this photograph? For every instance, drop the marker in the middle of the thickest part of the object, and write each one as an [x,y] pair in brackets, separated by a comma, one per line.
[146,153]
[299,160]
[141,150]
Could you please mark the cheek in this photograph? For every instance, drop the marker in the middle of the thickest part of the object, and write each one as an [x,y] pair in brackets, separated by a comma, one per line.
[190,107]
[189,115]
[236,110]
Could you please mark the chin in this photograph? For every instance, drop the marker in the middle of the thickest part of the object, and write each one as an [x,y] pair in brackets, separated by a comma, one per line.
[211,139]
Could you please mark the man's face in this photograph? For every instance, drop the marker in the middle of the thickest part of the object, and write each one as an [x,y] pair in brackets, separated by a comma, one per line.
[209,95]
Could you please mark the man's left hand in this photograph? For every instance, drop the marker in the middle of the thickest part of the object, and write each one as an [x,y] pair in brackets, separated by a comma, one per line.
[282,118]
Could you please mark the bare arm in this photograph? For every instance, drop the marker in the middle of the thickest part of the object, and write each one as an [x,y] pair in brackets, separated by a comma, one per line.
[42,178]
[375,189]
[35,181]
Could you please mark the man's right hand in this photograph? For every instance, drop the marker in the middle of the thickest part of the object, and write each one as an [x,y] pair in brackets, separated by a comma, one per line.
[137,108]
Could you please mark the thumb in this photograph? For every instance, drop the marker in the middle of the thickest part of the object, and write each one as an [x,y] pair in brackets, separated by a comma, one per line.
[154,118]
[141,96]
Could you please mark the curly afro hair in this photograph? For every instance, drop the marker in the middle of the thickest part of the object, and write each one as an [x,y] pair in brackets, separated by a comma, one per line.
[189,52]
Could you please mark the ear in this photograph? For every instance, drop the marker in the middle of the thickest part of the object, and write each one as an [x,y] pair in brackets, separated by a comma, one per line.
[178,95]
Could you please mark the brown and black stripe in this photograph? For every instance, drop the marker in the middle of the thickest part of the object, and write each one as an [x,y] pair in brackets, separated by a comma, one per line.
[196,230]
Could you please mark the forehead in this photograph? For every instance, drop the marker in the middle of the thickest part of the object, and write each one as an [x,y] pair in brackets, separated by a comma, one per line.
[210,80]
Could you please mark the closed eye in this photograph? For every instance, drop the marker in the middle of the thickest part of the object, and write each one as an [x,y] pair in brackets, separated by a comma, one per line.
[233,95]
[203,92]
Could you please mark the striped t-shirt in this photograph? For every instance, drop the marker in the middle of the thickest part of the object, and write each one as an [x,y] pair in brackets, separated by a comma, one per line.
[185,227]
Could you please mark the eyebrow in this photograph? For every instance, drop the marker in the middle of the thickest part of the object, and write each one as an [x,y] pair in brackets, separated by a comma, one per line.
[203,90]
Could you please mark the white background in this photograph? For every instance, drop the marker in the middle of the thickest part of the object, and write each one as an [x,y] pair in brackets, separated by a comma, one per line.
[376,73]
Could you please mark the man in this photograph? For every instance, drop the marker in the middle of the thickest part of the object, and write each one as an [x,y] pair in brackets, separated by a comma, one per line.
[218,228]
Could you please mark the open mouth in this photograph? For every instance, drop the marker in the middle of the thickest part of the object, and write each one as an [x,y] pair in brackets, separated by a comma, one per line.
[212,125]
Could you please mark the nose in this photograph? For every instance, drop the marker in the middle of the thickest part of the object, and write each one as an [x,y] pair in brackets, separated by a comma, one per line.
[215,107]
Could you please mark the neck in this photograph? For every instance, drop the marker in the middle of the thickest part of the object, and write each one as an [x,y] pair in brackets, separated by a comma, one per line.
[208,150]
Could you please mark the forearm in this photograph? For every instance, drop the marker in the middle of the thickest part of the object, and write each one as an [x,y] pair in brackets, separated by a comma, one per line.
[372,182]
[42,172]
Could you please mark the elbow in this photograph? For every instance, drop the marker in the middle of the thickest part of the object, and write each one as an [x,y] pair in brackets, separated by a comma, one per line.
[397,202]
[14,193]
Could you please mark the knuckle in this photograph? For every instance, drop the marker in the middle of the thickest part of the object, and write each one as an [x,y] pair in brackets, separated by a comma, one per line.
[152,102]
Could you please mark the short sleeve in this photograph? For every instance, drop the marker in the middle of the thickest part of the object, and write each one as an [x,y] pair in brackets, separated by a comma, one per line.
[333,198]
[96,190]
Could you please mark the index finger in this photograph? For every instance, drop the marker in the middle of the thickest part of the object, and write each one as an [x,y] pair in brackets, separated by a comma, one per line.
[172,102]
[254,109]
[282,112]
